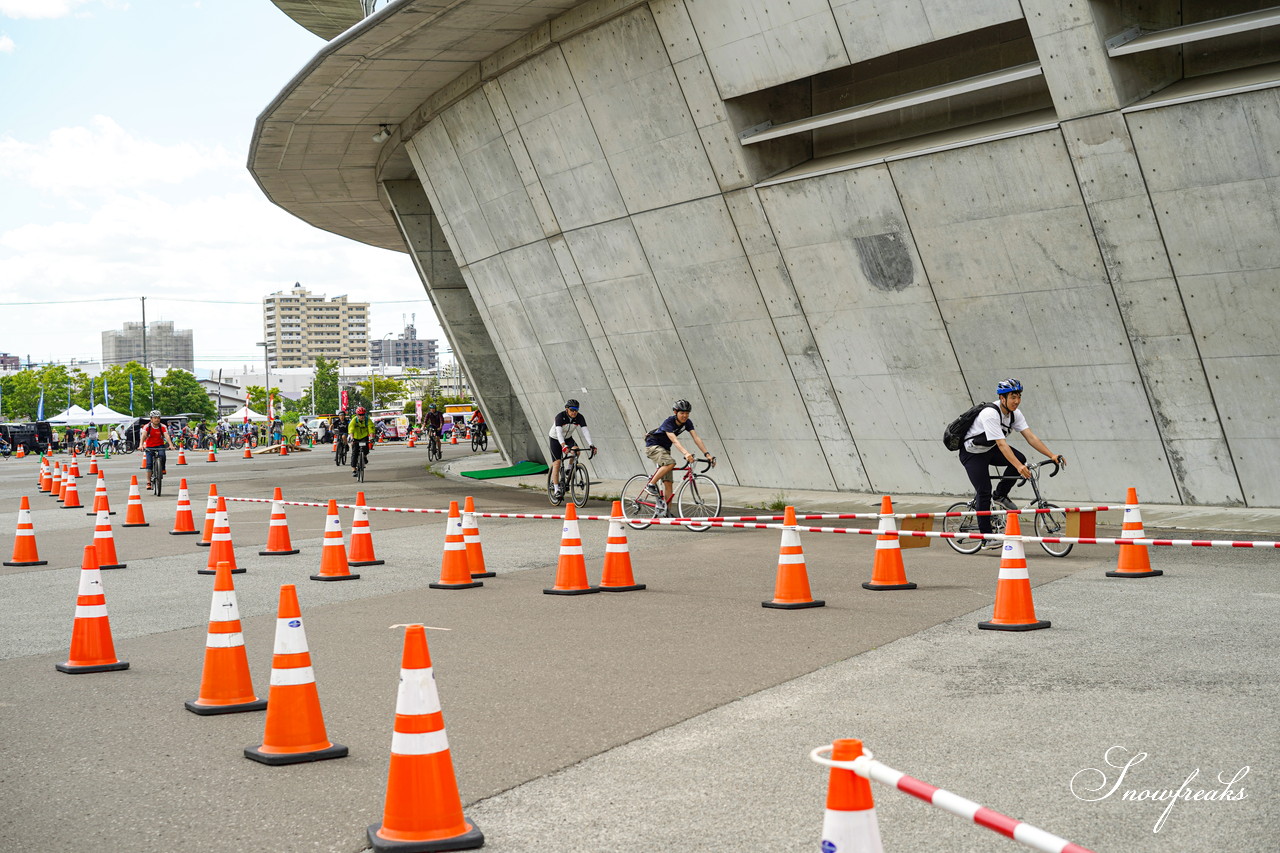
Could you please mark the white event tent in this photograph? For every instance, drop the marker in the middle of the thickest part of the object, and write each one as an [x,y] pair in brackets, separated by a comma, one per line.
[238,416]
[73,415]
[103,414]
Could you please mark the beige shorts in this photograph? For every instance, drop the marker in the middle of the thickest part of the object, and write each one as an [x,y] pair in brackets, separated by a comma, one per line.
[660,456]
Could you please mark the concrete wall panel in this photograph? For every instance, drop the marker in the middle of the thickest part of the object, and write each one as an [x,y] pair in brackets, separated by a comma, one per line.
[755,44]
[639,113]
[872,28]
[466,224]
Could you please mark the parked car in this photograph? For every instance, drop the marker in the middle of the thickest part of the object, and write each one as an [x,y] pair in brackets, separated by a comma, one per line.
[35,437]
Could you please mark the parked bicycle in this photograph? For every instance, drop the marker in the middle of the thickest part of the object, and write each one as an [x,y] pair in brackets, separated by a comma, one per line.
[575,480]
[1051,523]
[698,496]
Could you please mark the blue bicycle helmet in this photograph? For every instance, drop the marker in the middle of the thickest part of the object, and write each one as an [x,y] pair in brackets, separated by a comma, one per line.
[1008,386]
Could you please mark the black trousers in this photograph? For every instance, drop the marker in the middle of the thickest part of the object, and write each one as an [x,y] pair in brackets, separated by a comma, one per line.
[978,466]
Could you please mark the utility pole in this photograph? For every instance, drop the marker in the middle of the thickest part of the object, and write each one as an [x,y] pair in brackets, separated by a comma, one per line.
[146,362]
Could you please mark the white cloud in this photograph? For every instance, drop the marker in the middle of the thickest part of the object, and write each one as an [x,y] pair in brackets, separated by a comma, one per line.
[103,157]
[6,44]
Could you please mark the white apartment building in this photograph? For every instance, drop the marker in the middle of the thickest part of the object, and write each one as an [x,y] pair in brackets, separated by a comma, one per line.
[298,327]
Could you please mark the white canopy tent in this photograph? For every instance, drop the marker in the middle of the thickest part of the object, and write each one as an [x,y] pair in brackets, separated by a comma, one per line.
[101,414]
[237,417]
[73,415]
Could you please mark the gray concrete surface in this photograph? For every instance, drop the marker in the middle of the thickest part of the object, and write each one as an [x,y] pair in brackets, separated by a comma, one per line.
[676,718]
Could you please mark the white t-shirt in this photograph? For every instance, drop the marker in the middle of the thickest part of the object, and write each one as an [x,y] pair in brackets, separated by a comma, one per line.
[991,424]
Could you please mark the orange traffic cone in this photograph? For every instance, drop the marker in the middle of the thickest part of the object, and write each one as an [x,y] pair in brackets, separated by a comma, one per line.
[278,542]
[212,457]
[284,448]
[63,476]
[1014,609]
[22,451]
[333,554]
[133,514]
[362,537]
[423,809]
[25,552]
[221,550]
[471,538]
[182,456]
[91,647]
[247,454]
[72,499]
[210,516]
[791,589]
[183,522]
[225,685]
[42,481]
[294,730]
[411,442]
[849,824]
[55,480]
[454,573]
[571,572]
[888,572]
[1135,560]
[100,492]
[93,465]
[103,540]
[617,575]
[453,436]
[75,466]
[142,466]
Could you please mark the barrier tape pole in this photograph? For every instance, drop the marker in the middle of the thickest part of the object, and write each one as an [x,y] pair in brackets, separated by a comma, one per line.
[1021,832]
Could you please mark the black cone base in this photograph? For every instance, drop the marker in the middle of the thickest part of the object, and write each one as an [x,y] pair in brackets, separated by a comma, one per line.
[194,706]
[622,588]
[109,512]
[239,570]
[793,605]
[32,563]
[455,585]
[102,667]
[183,532]
[115,566]
[585,591]
[484,574]
[204,544]
[282,554]
[869,585]
[471,840]
[144,524]
[351,577]
[364,562]
[276,759]
[1029,626]
[1151,574]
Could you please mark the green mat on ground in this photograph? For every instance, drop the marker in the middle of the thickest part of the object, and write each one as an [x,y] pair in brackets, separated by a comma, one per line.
[520,469]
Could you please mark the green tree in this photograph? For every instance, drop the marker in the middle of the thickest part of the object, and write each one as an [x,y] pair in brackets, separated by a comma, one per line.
[116,378]
[326,386]
[180,392]
[389,391]
[258,399]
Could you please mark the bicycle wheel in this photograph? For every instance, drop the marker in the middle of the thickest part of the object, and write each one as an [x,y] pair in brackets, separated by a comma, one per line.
[638,505]
[699,498]
[556,499]
[475,443]
[580,485]
[965,524]
[484,442]
[156,476]
[360,466]
[1052,524]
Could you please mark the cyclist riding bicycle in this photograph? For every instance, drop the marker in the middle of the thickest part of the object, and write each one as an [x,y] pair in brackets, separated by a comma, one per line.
[568,425]
[477,423]
[433,421]
[362,436]
[154,438]
[658,443]
[988,432]
[91,438]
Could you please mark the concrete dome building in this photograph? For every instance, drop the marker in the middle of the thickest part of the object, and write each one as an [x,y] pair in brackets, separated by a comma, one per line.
[830,224]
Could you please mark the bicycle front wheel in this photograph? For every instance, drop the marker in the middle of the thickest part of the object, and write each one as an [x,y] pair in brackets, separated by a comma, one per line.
[581,484]
[638,505]
[556,499]
[699,498]
[1052,523]
[964,526]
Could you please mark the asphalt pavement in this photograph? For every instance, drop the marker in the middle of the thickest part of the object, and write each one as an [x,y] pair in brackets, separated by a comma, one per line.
[675,718]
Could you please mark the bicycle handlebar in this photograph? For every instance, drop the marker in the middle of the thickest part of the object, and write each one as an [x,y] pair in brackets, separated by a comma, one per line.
[707,465]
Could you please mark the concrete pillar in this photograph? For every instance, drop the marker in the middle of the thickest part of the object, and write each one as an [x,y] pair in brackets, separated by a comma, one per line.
[461,321]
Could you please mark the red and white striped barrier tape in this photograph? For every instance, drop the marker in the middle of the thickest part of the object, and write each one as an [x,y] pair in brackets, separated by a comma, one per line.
[822,515]
[1023,833]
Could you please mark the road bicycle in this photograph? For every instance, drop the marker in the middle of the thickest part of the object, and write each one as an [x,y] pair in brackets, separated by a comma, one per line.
[698,496]
[1050,523]
[340,450]
[575,480]
[360,459]
[434,451]
[480,440]
[155,473]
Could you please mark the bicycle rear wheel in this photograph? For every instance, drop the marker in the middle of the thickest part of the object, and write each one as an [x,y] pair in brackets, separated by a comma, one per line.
[699,498]
[963,524]
[1052,524]
[638,505]
[580,486]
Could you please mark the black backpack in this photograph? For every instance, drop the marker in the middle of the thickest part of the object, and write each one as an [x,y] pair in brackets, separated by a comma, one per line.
[953,435]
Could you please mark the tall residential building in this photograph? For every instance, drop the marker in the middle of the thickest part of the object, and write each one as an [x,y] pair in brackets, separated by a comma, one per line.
[407,350]
[164,346]
[299,327]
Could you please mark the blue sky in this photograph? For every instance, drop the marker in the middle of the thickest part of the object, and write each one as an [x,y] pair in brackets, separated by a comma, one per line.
[124,131]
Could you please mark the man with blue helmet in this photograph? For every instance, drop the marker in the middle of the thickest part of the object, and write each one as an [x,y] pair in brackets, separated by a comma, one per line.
[988,433]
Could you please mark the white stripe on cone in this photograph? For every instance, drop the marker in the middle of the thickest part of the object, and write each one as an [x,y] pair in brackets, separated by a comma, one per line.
[421,743]
[293,676]
[223,607]
[223,641]
[851,832]
[291,637]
